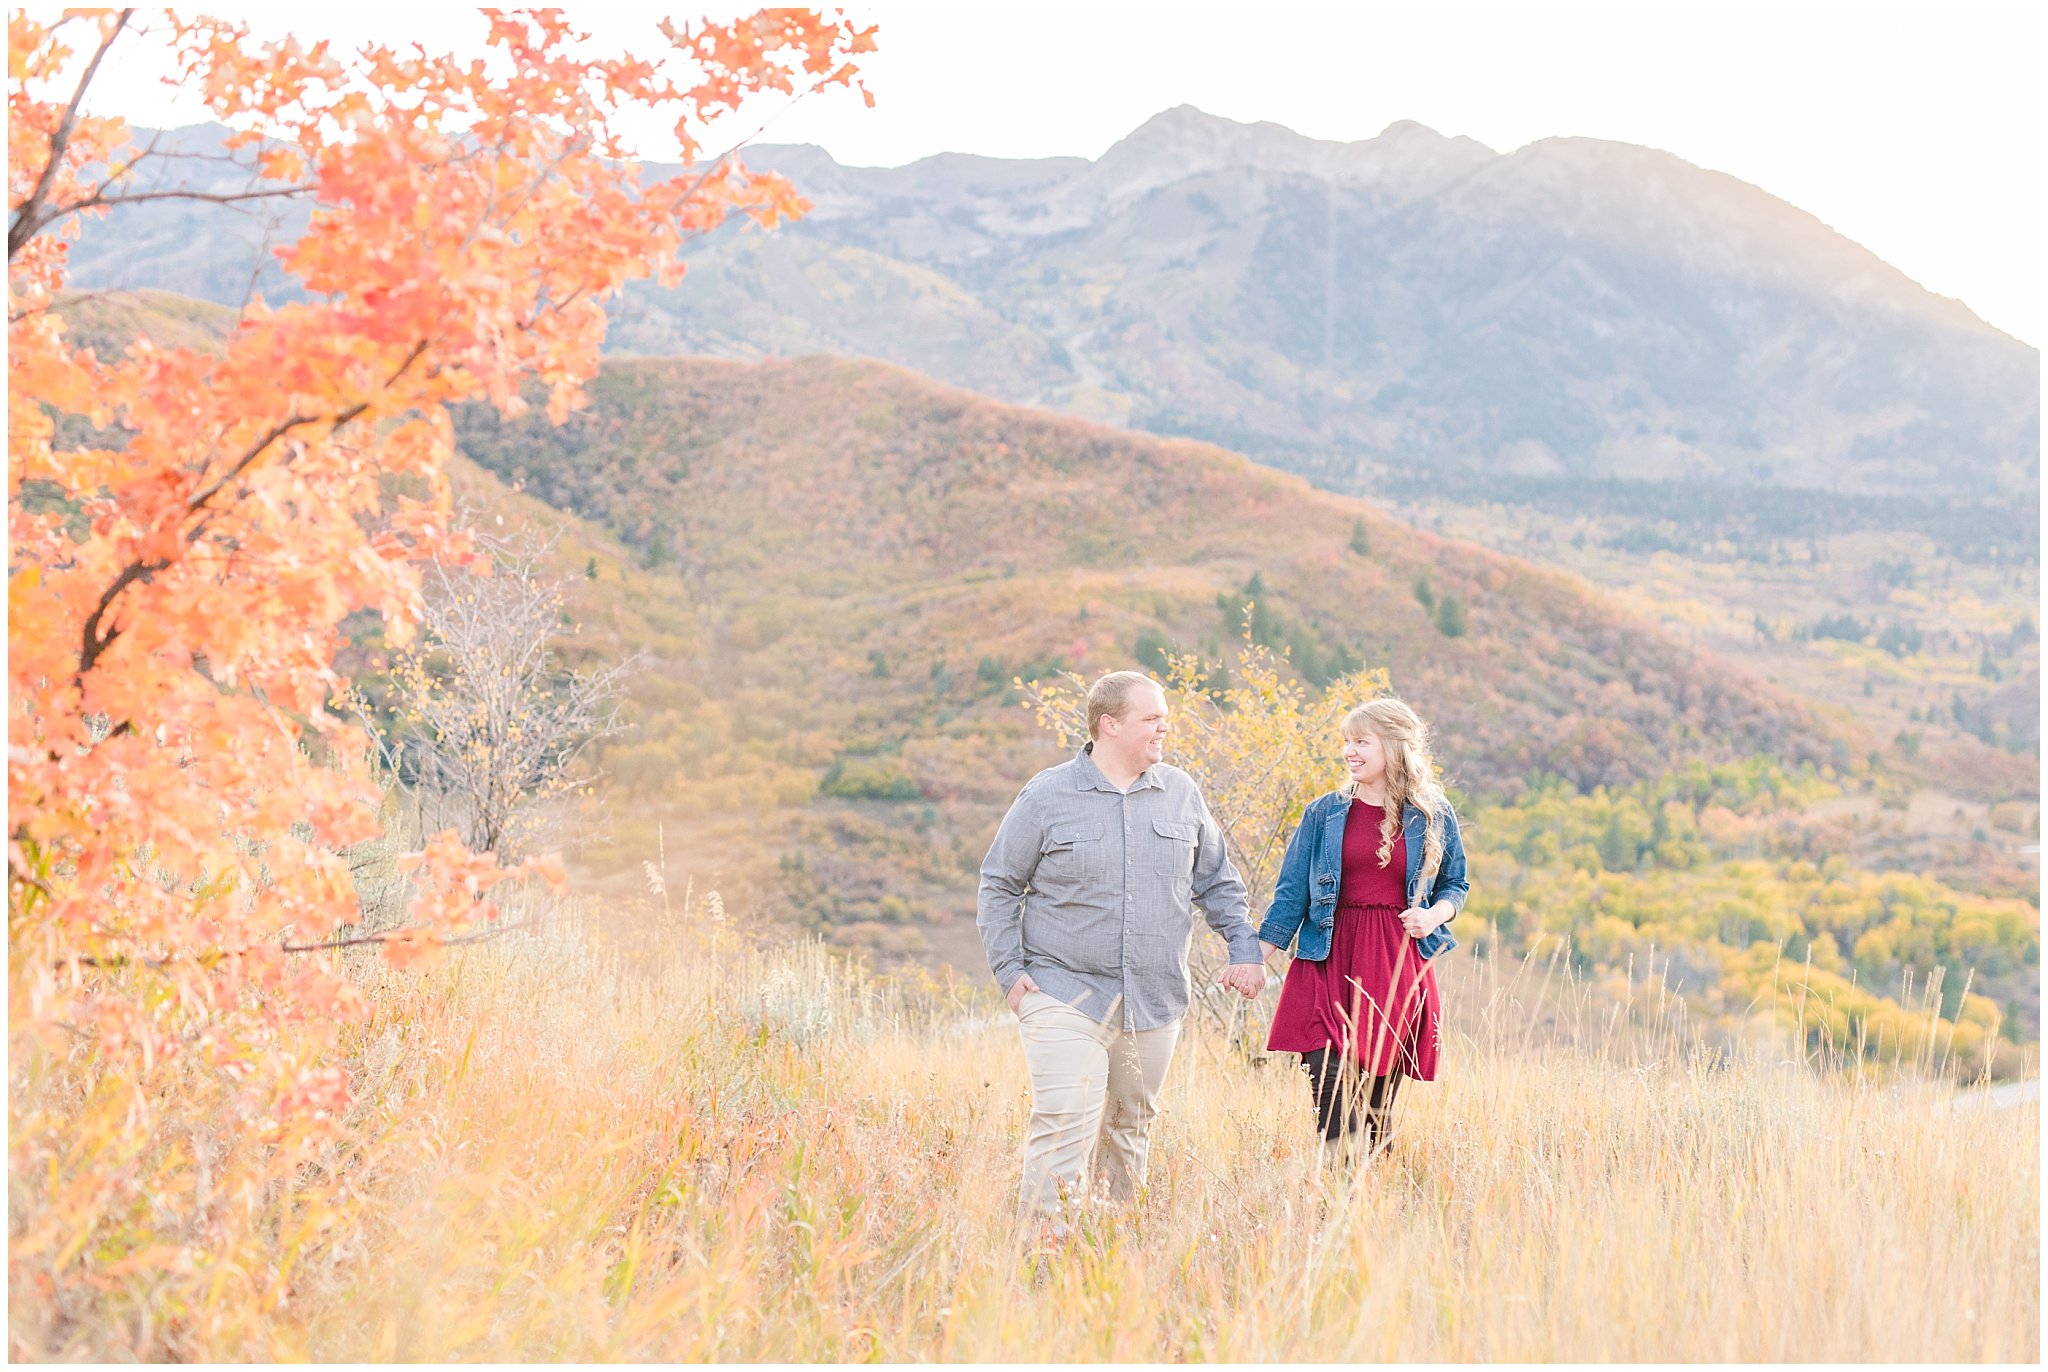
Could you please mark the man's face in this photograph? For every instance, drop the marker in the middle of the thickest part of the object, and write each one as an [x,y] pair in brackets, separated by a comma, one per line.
[1139,734]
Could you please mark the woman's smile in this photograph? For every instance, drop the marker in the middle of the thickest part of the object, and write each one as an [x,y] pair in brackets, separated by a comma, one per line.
[1365,757]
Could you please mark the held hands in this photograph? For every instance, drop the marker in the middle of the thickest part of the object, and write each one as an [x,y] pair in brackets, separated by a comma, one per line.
[1245,978]
[1419,920]
[1022,987]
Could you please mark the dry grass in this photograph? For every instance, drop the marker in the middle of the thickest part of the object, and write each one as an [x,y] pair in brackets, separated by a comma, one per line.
[764,1155]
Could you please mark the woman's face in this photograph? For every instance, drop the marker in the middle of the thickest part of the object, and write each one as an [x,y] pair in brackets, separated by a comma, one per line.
[1366,757]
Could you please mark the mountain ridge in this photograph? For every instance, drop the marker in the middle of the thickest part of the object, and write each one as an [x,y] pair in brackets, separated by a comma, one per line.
[1576,307]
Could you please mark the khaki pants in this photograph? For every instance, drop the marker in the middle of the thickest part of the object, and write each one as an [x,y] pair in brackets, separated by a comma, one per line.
[1093,1091]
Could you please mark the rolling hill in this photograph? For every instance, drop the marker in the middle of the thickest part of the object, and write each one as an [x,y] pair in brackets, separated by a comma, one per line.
[858,521]
[865,560]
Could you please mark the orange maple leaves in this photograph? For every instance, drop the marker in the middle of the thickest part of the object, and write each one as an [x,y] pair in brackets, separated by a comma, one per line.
[189,528]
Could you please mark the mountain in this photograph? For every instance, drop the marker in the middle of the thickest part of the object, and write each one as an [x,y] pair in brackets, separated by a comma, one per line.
[1577,308]
[1407,308]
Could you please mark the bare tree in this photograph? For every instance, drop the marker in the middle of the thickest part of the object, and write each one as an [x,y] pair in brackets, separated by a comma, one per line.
[490,722]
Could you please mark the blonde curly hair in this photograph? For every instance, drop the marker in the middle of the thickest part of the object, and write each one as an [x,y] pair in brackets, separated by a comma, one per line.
[1411,776]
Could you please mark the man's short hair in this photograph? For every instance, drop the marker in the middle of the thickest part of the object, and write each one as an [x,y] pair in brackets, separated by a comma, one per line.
[1110,696]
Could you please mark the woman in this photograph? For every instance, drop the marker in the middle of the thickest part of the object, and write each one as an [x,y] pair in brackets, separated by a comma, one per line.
[1371,876]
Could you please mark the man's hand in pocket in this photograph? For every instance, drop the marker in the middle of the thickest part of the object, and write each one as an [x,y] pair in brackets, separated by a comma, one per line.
[1019,989]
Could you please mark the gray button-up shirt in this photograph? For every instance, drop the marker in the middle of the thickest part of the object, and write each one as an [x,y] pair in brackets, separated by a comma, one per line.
[1087,888]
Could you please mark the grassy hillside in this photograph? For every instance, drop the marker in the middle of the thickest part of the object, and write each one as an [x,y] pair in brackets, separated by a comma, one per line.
[107,322]
[692,1150]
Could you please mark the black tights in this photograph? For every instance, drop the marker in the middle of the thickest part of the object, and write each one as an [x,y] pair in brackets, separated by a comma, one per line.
[1345,1096]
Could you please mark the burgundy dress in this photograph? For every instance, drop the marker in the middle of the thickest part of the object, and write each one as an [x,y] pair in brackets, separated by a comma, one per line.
[1374,994]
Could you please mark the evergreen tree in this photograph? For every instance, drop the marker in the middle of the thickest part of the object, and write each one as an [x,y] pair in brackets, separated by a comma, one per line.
[1151,651]
[1617,850]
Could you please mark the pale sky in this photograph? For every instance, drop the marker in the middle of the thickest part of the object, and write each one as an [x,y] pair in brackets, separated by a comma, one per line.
[1914,129]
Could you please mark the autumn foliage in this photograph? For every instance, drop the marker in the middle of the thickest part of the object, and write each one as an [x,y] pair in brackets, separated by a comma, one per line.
[189,528]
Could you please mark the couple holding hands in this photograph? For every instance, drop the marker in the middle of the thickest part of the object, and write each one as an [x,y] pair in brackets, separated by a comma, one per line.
[1085,913]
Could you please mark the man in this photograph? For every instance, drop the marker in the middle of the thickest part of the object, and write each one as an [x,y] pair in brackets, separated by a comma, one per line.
[1086,921]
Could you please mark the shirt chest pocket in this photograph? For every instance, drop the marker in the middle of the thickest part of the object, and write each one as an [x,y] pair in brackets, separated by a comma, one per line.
[1073,850]
[1172,853]
[1172,845]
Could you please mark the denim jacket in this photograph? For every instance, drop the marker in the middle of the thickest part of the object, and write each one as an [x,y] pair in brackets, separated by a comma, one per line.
[1305,897]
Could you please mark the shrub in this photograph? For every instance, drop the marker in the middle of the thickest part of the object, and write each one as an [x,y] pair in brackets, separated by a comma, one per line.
[1899,639]
[1847,628]
[868,778]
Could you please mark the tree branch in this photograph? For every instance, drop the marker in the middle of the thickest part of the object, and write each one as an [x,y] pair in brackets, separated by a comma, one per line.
[387,935]
[26,221]
[99,199]
[352,941]
[94,642]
